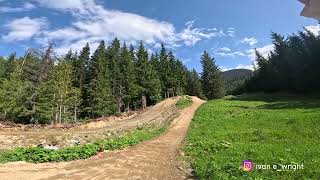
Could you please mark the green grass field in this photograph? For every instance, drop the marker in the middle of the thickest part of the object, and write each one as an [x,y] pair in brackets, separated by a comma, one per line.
[265,129]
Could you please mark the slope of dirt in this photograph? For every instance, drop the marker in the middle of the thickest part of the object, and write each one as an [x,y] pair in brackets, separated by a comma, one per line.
[11,138]
[154,159]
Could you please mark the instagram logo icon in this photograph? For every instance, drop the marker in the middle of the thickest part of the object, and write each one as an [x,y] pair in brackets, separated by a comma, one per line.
[247,165]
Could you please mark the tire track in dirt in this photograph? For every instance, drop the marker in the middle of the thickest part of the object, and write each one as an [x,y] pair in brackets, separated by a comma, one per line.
[156,114]
[154,159]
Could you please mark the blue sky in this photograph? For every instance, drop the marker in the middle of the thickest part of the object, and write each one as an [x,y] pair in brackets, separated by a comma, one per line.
[229,30]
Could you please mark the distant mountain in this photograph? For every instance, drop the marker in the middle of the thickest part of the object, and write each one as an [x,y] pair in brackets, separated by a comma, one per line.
[234,78]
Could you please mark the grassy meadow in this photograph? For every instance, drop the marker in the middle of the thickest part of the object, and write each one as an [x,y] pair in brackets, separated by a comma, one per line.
[266,129]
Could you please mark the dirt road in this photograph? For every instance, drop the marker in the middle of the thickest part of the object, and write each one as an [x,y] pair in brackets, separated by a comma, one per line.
[154,159]
[18,137]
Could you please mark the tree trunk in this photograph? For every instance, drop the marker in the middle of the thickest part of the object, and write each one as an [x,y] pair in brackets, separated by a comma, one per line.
[60,113]
[144,102]
[128,107]
[64,114]
[34,112]
[56,120]
[75,114]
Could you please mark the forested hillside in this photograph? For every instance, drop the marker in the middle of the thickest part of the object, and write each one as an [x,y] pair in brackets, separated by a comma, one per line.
[293,66]
[235,78]
[43,88]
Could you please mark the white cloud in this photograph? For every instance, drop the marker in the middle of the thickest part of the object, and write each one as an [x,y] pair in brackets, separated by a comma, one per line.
[242,66]
[314,29]
[239,66]
[186,60]
[264,51]
[26,7]
[231,32]
[190,36]
[251,41]
[93,23]
[223,69]
[225,49]
[230,54]
[24,28]
[227,52]
[83,7]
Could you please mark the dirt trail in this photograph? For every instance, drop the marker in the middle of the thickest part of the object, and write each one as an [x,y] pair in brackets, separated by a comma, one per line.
[32,137]
[154,159]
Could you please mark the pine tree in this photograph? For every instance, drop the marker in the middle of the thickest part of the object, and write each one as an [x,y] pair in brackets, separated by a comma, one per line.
[101,100]
[194,84]
[164,71]
[72,58]
[172,82]
[44,108]
[43,89]
[113,56]
[14,93]
[66,97]
[212,83]
[83,79]
[128,80]
[36,68]
[182,77]
[81,67]
[154,60]
[2,70]
[149,83]
[10,65]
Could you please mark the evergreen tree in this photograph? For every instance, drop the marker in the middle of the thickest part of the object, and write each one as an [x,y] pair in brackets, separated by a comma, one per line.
[128,80]
[36,68]
[10,65]
[212,83]
[194,84]
[164,71]
[113,56]
[182,77]
[61,97]
[14,95]
[72,58]
[83,79]
[154,60]
[292,66]
[81,67]
[101,100]
[40,88]
[172,81]
[148,81]
[2,70]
